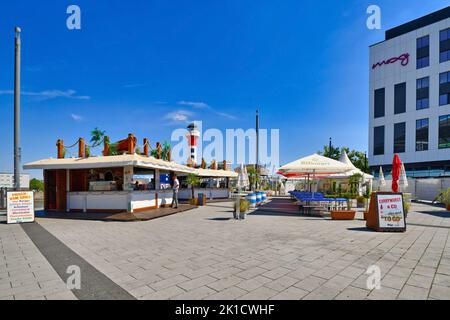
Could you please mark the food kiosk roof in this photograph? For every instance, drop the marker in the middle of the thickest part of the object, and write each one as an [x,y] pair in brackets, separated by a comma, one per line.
[108,162]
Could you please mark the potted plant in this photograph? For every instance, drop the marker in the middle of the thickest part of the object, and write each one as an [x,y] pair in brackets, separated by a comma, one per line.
[360,202]
[253,177]
[244,206]
[193,181]
[444,198]
[348,214]
[406,203]
[367,196]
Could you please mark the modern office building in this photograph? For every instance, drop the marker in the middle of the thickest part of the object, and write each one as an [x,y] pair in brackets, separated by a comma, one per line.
[410,97]
[7,180]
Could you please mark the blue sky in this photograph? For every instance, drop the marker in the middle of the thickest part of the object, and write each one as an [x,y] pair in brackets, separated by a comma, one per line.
[135,65]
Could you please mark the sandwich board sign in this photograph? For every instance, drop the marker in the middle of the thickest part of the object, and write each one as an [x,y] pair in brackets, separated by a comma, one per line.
[386,212]
[20,207]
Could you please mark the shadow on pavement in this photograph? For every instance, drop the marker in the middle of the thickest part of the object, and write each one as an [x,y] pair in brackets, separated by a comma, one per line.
[219,219]
[364,229]
[439,214]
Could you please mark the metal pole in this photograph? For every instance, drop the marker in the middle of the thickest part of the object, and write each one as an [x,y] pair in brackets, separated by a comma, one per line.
[366,165]
[17,151]
[329,149]
[238,203]
[257,148]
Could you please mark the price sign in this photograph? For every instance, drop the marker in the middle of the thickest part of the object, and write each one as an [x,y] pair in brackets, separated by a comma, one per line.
[390,211]
[20,207]
[386,212]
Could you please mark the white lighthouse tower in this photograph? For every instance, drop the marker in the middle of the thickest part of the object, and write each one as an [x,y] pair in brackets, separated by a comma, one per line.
[192,137]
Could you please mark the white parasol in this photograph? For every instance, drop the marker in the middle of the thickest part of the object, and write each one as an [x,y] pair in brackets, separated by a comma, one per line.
[381,178]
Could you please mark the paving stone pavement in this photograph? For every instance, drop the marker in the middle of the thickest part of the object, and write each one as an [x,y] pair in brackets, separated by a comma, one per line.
[24,272]
[199,254]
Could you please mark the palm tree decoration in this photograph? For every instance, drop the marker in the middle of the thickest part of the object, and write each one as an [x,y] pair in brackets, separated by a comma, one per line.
[97,136]
[165,153]
[354,181]
[253,176]
[194,181]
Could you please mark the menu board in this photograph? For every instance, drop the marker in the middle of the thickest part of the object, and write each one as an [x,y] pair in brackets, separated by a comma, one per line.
[386,212]
[20,207]
[390,211]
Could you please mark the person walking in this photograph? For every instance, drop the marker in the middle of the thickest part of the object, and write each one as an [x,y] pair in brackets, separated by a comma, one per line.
[175,188]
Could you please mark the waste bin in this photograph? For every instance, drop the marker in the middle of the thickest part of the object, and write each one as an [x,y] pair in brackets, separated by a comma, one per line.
[251,198]
[201,199]
[258,197]
[264,196]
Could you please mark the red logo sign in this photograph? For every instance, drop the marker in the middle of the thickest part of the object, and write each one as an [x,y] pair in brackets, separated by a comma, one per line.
[404,60]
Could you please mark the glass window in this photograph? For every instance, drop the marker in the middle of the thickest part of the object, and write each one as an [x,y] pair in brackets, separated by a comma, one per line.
[444,35]
[423,62]
[422,93]
[399,137]
[423,42]
[444,88]
[379,103]
[400,98]
[444,56]
[423,52]
[422,103]
[444,132]
[422,126]
[423,83]
[444,52]
[443,77]
[378,140]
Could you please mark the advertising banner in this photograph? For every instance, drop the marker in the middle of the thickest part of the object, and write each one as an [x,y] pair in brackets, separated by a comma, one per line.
[390,211]
[386,212]
[20,207]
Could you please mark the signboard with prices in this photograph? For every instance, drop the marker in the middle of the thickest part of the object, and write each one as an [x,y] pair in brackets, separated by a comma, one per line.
[20,207]
[386,212]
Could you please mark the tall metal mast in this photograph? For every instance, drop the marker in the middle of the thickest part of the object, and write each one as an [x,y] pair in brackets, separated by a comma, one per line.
[257,146]
[17,151]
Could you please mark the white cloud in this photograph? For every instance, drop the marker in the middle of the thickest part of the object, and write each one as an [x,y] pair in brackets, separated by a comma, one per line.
[226,115]
[134,85]
[76,117]
[49,94]
[196,105]
[179,116]
[202,105]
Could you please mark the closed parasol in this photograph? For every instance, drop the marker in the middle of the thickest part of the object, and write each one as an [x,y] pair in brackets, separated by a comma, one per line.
[396,170]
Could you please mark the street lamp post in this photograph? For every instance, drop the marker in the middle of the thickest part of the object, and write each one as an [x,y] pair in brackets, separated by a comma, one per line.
[17,151]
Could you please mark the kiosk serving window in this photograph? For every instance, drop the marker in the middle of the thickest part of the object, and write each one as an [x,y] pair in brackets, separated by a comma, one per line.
[144,179]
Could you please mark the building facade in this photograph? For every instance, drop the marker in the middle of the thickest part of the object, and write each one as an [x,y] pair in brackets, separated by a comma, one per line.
[409,93]
[7,180]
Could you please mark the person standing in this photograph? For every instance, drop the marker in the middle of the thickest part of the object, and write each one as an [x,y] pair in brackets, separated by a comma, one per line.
[175,188]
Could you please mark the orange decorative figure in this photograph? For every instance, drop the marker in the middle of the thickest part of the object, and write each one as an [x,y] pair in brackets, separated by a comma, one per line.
[146,150]
[60,148]
[81,148]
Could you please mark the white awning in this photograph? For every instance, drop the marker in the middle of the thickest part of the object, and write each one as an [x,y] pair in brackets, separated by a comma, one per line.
[215,173]
[314,164]
[109,162]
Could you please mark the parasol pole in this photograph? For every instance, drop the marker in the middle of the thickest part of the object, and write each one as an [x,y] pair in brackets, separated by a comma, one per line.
[314,181]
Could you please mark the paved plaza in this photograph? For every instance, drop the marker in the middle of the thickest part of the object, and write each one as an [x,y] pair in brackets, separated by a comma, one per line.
[203,254]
